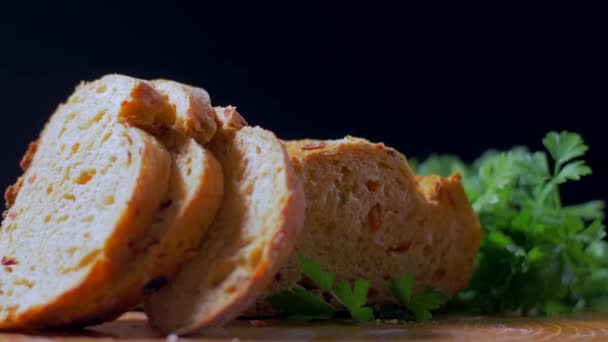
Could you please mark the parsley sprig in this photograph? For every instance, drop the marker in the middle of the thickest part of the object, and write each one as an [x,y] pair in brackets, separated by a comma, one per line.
[302,305]
[538,255]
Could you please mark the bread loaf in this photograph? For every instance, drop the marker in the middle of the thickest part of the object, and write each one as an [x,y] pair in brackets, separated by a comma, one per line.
[89,191]
[368,216]
[252,235]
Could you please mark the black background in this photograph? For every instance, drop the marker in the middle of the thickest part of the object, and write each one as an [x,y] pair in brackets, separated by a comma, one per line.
[443,79]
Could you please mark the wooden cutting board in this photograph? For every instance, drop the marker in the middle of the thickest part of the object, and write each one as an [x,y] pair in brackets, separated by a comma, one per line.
[133,326]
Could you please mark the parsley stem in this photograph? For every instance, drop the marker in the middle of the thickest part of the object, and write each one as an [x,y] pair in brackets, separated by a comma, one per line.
[556,197]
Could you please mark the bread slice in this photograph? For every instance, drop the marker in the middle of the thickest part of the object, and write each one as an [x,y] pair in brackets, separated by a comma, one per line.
[252,235]
[89,193]
[195,116]
[228,122]
[368,216]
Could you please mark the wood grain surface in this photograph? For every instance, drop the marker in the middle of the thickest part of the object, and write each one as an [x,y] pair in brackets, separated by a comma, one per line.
[133,326]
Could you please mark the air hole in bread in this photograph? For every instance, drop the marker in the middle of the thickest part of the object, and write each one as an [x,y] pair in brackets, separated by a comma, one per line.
[88,219]
[189,171]
[108,200]
[63,218]
[48,218]
[85,176]
[98,116]
[346,173]
[220,272]
[87,235]
[258,150]
[89,258]
[75,148]
[101,89]
[49,189]
[106,137]
[72,250]
[69,196]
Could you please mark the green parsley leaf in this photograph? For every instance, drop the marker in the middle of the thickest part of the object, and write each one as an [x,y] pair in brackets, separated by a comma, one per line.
[354,299]
[422,303]
[564,146]
[402,288]
[592,210]
[324,280]
[572,171]
[301,305]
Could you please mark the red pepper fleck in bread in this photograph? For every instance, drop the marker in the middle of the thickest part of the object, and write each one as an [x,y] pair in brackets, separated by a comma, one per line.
[368,216]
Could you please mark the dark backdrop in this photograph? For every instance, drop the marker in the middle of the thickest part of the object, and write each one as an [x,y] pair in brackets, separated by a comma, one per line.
[440,79]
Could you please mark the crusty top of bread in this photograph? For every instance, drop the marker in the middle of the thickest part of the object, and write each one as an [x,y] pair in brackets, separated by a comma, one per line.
[253,233]
[89,191]
[363,198]
[195,117]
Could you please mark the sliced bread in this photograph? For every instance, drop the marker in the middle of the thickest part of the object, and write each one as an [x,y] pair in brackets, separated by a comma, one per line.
[89,192]
[256,227]
[194,195]
[368,216]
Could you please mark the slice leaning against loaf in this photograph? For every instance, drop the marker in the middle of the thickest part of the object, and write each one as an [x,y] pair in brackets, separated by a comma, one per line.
[252,235]
[90,191]
[368,216]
